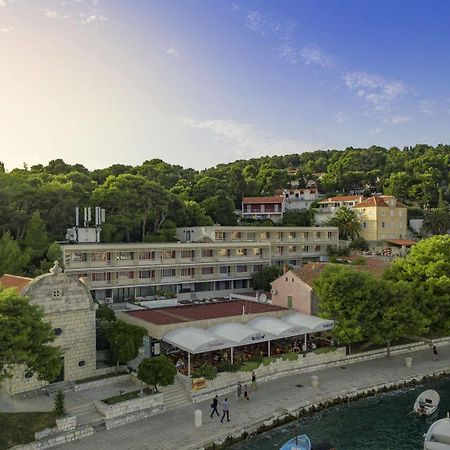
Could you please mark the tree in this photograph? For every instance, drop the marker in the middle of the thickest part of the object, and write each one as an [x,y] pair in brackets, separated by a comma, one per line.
[265,276]
[59,403]
[359,243]
[347,222]
[124,341]
[159,370]
[36,239]
[436,221]
[426,269]
[25,338]
[220,209]
[303,218]
[12,259]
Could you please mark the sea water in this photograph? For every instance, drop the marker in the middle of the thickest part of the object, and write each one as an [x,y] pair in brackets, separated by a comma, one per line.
[382,422]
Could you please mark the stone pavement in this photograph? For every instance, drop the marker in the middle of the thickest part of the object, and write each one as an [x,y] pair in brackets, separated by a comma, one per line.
[175,429]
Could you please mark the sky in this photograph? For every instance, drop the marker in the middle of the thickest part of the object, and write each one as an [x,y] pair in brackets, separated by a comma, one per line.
[198,83]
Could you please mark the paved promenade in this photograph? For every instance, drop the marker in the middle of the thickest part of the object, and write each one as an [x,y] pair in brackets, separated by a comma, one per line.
[175,429]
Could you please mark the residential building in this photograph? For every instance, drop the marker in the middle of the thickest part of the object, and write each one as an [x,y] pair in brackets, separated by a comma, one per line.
[382,218]
[298,199]
[68,306]
[263,208]
[326,209]
[213,260]
[294,289]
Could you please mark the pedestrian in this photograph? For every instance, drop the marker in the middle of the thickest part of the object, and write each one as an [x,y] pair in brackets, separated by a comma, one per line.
[214,405]
[225,411]
[254,385]
[239,391]
[246,397]
[435,353]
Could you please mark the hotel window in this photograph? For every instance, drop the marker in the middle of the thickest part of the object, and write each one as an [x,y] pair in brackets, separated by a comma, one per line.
[225,269]
[306,235]
[241,252]
[168,254]
[127,274]
[279,235]
[318,234]
[317,248]
[79,257]
[147,255]
[168,272]
[383,212]
[187,254]
[292,235]
[251,236]
[125,256]
[241,268]
[187,271]
[223,252]
[257,251]
[99,276]
[279,249]
[207,270]
[236,235]
[264,235]
[257,267]
[364,224]
[292,249]
[56,293]
[382,224]
[330,235]
[98,256]
[147,274]
[207,253]
[220,235]
[306,248]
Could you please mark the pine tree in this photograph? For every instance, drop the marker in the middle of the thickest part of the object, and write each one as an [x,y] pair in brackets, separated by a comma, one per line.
[36,239]
[12,260]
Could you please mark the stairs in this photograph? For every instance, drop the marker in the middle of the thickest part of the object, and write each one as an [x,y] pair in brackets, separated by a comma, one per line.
[86,413]
[53,388]
[175,396]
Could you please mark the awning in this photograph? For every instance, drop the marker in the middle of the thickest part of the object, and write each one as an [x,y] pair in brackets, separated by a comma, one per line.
[241,334]
[278,328]
[401,242]
[196,340]
[312,323]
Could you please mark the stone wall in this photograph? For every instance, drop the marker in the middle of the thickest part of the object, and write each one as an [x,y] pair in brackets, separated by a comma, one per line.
[154,401]
[101,382]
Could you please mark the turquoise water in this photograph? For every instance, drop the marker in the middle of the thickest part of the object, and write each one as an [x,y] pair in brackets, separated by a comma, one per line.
[377,423]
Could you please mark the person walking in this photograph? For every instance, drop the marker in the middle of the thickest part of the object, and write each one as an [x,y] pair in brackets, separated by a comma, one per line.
[239,391]
[246,397]
[214,405]
[225,411]
[254,385]
[435,353]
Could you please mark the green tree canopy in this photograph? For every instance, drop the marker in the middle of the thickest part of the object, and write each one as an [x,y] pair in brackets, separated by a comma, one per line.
[347,221]
[436,220]
[265,276]
[25,338]
[158,370]
[12,259]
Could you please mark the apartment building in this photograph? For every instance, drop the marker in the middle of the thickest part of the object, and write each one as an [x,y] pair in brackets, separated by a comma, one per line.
[382,218]
[297,199]
[326,209]
[206,261]
[263,208]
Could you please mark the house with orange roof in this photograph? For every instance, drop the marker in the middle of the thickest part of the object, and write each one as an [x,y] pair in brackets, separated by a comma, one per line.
[263,208]
[327,208]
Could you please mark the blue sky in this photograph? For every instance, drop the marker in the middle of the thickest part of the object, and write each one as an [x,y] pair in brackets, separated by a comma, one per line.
[203,82]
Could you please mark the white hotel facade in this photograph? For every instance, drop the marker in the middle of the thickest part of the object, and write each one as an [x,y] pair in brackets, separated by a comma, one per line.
[205,262]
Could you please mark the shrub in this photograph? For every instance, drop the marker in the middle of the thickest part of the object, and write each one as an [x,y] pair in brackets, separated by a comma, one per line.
[359,243]
[207,371]
[227,367]
[59,403]
[359,261]
[292,356]
[324,350]
[250,366]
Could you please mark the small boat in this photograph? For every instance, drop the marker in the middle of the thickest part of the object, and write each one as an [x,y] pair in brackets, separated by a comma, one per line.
[438,435]
[426,403]
[301,442]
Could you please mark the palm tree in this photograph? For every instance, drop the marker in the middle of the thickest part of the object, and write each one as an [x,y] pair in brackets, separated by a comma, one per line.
[347,222]
[436,221]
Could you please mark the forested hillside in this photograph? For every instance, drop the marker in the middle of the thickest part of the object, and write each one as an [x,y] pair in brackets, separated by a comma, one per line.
[146,202]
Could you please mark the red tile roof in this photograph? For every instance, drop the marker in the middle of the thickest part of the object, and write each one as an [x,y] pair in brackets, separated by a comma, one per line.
[401,242]
[343,198]
[261,200]
[191,313]
[371,202]
[14,281]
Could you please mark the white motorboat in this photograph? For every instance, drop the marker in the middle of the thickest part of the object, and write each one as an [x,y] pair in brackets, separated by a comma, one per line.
[426,403]
[438,435]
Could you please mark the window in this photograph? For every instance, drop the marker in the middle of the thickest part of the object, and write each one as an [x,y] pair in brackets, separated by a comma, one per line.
[251,236]
[220,235]
[168,254]
[286,279]
[241,268]
[318,234]
[330,235]
[101,276]
[236,235]
[224,252]
[279,249]
[147,274]
[306,235]
[289,301]
[207,253]
[257,267]
[28,374]
[383,212]
[292,249]
[257,251]
[225,269]
[364,224]
[57,331]
[81,363]
[168,272]
[306,248]
[147,255]
[207,270]
[56,293]
[187,253]
[127,274]
[292,235]
[264,235]
[241,252]
[78,257]
[317,248]
[187,272]
[382,225]
[125,256]
[392,213]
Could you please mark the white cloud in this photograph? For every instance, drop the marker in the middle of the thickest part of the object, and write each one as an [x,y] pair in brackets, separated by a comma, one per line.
[428,107]
[340,118]
[312,55]
[398,119]
[289,53]
[172,51]
[52,14]
[376,131]
[377,91]
[6,29]
[6,2]
[245,140]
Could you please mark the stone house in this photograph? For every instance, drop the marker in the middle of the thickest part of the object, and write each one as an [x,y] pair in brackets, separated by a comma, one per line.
[68,306]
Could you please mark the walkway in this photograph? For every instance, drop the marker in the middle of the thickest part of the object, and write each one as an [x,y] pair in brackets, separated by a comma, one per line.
[175,429]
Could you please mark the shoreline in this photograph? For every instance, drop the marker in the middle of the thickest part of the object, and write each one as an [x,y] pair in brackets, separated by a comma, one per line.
[307,408]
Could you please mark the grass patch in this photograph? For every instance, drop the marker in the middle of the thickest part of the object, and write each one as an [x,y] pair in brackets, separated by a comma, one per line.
[19,428]
[250,366]
[321,350]
[124,397]
[100,377]
[291,356]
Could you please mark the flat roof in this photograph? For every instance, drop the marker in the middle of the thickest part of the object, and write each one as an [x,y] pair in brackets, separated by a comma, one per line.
[190,313]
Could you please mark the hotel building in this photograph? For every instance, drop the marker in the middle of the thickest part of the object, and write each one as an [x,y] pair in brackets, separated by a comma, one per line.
[206,261]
